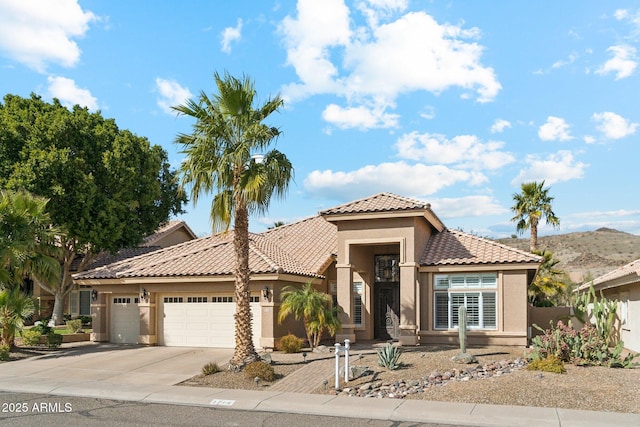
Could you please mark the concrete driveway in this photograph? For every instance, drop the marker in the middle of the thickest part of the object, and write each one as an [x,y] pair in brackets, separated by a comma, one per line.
[106,364]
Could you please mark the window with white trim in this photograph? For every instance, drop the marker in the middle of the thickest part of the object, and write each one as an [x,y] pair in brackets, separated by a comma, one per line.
[254,299]
[471,290]
[173,299]
[196,299]
[221,299]
[358,293]
[624,310]
[333,288]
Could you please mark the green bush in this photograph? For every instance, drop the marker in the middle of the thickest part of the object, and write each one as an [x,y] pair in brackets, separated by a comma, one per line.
[74,326]
[54,340]
[388,357]
[31,337]
[86,320]
[261,370]
[4,352]
[290,344]
[549,364]
[41,327]
[210,368]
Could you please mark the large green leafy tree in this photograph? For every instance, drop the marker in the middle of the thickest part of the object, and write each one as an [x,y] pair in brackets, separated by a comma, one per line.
[107,188]
[313,307]
[228,155]
[531,206]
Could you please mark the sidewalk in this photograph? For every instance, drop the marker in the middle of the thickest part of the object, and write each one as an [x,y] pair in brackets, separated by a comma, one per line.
[132,375]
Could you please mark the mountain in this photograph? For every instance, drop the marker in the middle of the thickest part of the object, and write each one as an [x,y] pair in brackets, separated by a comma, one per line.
[586,254]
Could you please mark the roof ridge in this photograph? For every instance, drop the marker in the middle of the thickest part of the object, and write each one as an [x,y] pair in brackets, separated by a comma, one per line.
[288,225]
[494,243]
[262,254]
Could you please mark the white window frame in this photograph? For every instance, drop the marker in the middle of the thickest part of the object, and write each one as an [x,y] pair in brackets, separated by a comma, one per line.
[477,291]
[358,304]
[624,311]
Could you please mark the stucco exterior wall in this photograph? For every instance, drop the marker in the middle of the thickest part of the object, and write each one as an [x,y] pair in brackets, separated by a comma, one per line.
[630,330]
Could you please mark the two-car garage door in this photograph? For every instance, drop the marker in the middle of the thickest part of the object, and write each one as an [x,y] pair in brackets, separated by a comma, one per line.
[202,321]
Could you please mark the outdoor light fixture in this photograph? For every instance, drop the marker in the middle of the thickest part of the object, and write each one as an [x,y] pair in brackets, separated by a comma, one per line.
[266,292]
[94,295]
[144,294]
[304,357]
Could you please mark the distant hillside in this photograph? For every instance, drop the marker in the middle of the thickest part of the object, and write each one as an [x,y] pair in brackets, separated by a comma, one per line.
[586,253]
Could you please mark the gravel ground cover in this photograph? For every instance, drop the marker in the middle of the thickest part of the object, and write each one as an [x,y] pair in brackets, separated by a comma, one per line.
[584,388]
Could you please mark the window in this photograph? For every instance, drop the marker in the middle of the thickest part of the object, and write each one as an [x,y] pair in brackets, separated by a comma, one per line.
[85,303]
[333,288]
[358,292]
[122,300]
[254,299]
[451,293]
[173,299]
[624,310]
[196,299]
[221,299]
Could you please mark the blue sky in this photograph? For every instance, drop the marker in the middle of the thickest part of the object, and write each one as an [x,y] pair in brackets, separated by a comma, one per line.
[455,103]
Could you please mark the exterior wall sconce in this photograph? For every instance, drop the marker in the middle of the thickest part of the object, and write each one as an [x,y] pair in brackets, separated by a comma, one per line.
[94,295]
[266,292]
[144,294]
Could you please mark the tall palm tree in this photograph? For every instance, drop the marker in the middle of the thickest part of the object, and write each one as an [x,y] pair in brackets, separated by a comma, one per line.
[531,205]
[313,307]
[15,308]
[27,239]
[226,155]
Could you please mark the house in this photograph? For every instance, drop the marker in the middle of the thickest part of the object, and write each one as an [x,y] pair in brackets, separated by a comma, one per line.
[78,302]
[389,262]
[623,285]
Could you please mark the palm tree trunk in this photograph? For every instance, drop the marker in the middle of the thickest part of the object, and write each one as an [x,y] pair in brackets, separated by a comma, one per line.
[244,351]
[533,244]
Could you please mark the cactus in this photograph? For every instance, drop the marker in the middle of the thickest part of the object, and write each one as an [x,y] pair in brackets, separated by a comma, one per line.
[388,357]
[462,328]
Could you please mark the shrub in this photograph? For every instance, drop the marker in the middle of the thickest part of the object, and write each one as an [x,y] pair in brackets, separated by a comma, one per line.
[388,357]
[290,344]
[4,352]
[210,368]
[261,370]
[549,364]
[41,327]
[74,326]
[31,337]
[53,340]
[86,320]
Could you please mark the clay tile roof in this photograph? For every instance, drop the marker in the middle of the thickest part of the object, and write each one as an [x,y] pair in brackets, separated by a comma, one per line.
[382,202]
[167,228]
[631,269]
[453,247]
[282,250]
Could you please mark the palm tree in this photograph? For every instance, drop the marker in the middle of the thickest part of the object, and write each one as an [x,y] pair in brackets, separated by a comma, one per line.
[531,205]
[27,239]
[549,284]
[15,308]
[225,156]
[313,307]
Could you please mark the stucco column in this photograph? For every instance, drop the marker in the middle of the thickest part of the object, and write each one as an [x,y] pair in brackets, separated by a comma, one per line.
[148,334]
[99,323]
[268,322]
[344,275]
[408,301]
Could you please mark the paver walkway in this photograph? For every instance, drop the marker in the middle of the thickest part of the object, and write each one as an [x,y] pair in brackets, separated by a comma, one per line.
[310,377]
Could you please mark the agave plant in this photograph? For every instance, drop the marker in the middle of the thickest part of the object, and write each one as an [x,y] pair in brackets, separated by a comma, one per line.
[388,357]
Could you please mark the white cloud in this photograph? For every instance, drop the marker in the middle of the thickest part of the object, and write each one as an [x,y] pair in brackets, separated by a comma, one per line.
[388,56]
[465,151]
[557,167]
[359,117]
[555,129]
[400,178]
[467,207]
[36,33]
[69,94]
[563,62]
[588,139]
[622,64]
[614,126]
[428,112]
[171,94]
[229,35]
[500,125]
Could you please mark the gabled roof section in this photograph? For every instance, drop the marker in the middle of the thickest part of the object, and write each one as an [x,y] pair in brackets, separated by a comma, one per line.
[621,276]
[453,247]
[381,205]
[303,248]
[165,229]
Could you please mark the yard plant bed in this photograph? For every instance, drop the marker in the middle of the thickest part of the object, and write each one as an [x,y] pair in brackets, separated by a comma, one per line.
[585,388]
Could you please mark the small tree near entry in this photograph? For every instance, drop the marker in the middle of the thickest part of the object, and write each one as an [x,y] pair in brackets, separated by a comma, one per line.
[531,205]
[313,307]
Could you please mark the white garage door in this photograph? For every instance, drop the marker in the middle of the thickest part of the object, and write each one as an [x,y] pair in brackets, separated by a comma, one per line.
[124,319]
[202,321]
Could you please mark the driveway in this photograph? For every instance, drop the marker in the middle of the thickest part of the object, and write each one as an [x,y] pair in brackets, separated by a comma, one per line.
[109,364]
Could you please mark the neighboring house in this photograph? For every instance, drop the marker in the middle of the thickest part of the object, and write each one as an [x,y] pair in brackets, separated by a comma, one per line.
[389,262]
[79,301]
[623,285]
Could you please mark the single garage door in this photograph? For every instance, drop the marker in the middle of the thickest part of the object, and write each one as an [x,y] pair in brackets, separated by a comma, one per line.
[202,321]
[124,319]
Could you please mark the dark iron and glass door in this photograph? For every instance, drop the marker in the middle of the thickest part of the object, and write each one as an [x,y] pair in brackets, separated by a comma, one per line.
[386,296]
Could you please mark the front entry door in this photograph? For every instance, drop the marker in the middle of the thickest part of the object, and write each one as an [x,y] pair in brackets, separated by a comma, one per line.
[387,311]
